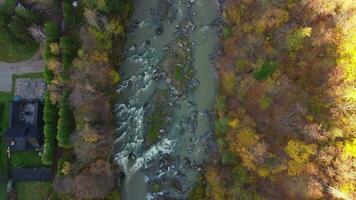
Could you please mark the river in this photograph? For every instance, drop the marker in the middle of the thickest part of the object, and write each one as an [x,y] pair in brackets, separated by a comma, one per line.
[168,77]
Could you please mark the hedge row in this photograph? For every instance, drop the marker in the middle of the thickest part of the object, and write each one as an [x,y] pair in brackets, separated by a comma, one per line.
[50,113]
[50,117]
[69,51]
[51,31]
[65,122]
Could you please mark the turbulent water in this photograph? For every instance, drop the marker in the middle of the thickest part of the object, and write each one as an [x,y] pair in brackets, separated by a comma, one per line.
[175,160]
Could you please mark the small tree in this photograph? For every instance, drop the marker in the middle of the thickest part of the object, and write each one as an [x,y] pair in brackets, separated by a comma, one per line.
[299,151]
[295,39]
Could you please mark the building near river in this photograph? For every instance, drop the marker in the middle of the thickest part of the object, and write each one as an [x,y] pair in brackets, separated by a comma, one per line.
[25,130]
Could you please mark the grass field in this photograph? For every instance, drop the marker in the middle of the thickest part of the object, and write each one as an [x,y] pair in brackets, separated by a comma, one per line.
[25,159]
[33,190]
[14,52]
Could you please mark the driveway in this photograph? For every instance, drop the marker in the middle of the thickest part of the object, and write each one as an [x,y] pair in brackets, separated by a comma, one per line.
[8,69]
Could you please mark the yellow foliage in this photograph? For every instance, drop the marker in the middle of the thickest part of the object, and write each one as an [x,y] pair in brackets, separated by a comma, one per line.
[336,133]
[54,48]
[234,123]
[299,151]
[115,76]
[263,172]
[347,50]
[91,138]
[53,64]
[348,187]
[66,168]
[243,144]
[247,138]
[349,149]
[115,27]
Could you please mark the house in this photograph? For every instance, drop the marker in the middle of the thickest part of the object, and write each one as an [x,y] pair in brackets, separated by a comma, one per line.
[25,130]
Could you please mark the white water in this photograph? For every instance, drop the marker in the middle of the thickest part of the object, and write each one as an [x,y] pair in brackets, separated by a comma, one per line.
[185,141]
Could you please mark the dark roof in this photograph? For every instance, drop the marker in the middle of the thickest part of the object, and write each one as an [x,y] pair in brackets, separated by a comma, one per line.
[26,125]
[28,174]
[18,109]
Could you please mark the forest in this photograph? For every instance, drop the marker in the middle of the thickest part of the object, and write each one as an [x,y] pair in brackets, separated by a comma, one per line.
[81,74]
[285,113]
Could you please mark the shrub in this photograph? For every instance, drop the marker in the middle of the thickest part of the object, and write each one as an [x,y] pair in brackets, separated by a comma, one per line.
[222,125]
[65,122]
[265,102]
[52,32]
[264,71]
[64,167]
[50,117]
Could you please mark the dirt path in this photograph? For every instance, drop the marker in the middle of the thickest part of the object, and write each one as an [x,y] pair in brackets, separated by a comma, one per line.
[35,64]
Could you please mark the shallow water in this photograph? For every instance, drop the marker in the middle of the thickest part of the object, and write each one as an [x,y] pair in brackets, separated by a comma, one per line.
[177,157]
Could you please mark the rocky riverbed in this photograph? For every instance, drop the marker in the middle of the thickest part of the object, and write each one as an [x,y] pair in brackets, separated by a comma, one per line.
[164,120]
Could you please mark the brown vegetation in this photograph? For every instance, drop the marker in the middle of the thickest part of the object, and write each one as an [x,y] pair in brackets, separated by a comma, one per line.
[287,113]
[91,79]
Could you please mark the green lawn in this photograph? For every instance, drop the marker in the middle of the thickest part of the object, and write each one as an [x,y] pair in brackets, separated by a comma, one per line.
[13,50]
[10,52]
[33,190]
[25,159]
